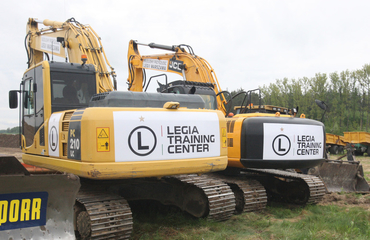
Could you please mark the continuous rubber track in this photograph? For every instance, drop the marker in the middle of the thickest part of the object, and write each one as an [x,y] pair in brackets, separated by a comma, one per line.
[253,194]
[108,215]
[315,185]
[221,199]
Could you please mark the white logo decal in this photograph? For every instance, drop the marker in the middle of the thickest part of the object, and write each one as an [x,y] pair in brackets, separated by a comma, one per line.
[50,44]
[175,65]
[53,133]
[292,141]
[165,135]
[155,64]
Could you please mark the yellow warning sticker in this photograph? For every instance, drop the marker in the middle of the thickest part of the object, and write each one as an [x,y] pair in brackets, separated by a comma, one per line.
[224,137]
[102,138]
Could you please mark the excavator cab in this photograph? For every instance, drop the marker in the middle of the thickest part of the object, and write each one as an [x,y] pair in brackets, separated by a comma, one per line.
[204,90]
[71,87]
[248,106]
[71,90]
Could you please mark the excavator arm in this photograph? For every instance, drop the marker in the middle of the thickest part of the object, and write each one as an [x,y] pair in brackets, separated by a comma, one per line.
[176,60]
[69,40]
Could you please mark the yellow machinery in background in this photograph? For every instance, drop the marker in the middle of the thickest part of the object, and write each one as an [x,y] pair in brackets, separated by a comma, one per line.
[261,142]
[359,140]
[335,143]
[122,145]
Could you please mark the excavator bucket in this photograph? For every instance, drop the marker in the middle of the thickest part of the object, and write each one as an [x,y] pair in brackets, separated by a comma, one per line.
[342,176]
[36,204]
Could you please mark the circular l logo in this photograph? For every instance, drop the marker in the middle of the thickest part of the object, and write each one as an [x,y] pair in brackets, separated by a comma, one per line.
[281,145]
[53,138]
[142,141]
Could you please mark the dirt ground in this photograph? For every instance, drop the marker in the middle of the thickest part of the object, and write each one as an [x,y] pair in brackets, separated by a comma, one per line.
[11,152]
[9,146]
[347,200]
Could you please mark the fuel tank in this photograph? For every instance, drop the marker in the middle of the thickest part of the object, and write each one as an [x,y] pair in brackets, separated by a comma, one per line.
[275,142]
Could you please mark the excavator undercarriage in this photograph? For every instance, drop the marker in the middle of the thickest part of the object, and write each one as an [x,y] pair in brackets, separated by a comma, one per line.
[199,195]
[289,186]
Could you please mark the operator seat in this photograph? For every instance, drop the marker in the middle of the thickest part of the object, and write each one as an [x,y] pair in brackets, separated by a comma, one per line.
[70,95]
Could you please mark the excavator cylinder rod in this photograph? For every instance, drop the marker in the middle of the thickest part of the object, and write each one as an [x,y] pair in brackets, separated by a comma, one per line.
[159,46]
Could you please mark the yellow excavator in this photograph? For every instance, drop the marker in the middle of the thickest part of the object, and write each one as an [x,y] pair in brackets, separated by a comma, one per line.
[123,146]
[264,143]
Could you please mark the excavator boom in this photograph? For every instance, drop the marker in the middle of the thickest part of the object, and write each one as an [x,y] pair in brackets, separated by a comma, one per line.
[69,40]
[187,65]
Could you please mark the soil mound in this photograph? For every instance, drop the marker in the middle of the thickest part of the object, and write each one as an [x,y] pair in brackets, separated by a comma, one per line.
[9,140]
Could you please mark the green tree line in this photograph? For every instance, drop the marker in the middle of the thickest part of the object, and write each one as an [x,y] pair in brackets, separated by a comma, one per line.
[14,130]
[347,95]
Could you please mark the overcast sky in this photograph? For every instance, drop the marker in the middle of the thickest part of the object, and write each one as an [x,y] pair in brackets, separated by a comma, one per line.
[248,43]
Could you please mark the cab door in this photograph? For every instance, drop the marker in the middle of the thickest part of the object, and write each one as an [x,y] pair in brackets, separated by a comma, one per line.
[32,102]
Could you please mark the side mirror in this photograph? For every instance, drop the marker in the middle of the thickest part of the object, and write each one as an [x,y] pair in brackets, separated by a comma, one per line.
[13,99]
[321,104]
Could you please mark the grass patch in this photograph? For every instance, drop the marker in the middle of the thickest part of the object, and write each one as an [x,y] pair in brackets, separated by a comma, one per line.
[367,174]
[275,222]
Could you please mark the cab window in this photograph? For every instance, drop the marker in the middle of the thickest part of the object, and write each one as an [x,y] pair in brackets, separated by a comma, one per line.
[71,90]
[28,97]
[210,101]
